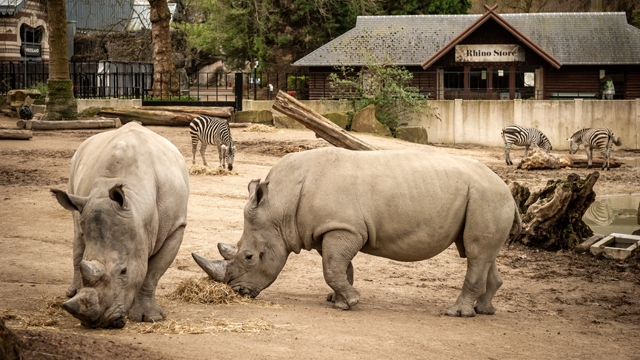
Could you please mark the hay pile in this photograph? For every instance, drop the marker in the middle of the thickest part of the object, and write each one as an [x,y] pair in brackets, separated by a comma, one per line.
[206,291]
[170,326]
[50,315]
[205,170]
[259,128]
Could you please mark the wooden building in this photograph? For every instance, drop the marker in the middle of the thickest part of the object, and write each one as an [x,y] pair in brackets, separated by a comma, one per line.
[492,56]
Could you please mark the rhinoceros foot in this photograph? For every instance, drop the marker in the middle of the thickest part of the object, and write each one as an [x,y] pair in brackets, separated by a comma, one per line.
[72,291]
[485,309]
[146,311]
[461,310]
[342,303]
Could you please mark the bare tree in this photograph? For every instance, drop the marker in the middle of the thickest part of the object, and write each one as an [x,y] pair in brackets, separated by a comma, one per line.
[60,101]
[165,79]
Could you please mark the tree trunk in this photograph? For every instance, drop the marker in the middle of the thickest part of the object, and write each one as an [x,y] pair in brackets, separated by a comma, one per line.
[581,161]
[9,344]
[13,134]
[158,117]
[552,217]
[323,128]
[61,105]
[165,78]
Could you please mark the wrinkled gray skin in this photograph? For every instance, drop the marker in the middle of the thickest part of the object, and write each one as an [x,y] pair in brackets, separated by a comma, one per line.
[128,191]
[405,205]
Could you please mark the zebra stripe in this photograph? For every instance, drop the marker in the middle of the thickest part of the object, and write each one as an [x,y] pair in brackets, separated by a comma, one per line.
[601,138]
[523,136]
[212,131]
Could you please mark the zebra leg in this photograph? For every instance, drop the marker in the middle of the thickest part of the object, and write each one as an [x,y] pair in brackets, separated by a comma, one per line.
[589,156]
[203,148]
[194,147]
[507,151]
[605,157]
[609,156]
[220,156]
[526,151]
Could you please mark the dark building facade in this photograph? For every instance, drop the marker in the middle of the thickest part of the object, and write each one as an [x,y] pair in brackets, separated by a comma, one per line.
[491,56]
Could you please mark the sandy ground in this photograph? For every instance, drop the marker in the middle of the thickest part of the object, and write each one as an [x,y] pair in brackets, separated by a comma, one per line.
[556,305]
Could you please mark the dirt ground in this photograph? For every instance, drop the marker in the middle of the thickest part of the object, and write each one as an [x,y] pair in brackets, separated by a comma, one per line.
[556,305]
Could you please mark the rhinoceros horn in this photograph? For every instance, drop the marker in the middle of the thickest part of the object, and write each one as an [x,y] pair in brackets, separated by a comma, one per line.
[228,251]
[92,271]
[216,269]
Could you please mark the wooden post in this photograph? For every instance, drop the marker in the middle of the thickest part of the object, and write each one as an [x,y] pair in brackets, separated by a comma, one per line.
[323,128]
[512,82]
[467,81]
[489,83]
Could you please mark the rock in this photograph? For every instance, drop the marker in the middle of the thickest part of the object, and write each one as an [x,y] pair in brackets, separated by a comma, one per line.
[89,112]
[286,122]
[9,113]
[364,121]
[538,159]
[414,134]
[584,247]
[254,116]
[340,118]
[17,97]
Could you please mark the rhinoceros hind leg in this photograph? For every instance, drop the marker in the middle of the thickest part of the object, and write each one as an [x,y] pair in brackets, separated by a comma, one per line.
[144,306]
[494,281]
[338,248]
[474,286]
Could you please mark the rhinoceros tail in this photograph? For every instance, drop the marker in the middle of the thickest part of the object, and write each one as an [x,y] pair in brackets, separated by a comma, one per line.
[516,228]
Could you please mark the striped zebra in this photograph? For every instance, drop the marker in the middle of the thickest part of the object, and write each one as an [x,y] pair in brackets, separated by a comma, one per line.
[602,138]
[523,136]
[212,131]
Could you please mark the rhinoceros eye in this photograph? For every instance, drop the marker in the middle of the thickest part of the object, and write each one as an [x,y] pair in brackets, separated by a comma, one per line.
[248,257]
[123,272]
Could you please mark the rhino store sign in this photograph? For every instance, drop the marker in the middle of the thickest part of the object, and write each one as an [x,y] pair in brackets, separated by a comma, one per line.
[489,53]
[30,50]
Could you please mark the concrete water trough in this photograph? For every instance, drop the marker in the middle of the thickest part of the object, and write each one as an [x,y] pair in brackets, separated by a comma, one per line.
[616,246]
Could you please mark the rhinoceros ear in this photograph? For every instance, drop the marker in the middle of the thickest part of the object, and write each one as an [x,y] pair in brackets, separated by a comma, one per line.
[116,194]
[69,201]
[258,191]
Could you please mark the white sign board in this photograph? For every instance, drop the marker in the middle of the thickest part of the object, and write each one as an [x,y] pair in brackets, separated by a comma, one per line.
[489,53]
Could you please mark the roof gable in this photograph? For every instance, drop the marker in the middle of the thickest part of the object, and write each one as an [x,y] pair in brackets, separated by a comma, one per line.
[491,14]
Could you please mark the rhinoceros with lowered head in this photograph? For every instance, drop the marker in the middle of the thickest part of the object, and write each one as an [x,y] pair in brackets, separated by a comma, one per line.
[128,191]
[405,205]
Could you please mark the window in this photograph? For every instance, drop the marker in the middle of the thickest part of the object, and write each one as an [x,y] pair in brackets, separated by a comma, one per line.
[29,35]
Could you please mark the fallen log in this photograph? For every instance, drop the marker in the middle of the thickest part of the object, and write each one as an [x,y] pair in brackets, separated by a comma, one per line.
[148,117]
[222,112]
[10,343]
[70,124]
[15,134]
[323,127]
[239,125]
[581,161]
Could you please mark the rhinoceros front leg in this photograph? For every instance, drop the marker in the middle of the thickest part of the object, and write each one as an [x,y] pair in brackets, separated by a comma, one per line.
[78,253]
[338,249]
[144,306]
[331,296]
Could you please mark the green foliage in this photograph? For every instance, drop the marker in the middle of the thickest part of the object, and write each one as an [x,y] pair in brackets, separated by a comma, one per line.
[568,229]
[42,87]
[386,86]
[425,7]
[279,32]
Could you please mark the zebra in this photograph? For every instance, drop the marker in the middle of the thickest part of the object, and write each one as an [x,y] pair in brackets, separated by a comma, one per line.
[523,136]
[602,138]
[212,131]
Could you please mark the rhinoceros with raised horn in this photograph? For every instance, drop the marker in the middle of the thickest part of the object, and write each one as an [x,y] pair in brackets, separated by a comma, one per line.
[405,205]
[128,191]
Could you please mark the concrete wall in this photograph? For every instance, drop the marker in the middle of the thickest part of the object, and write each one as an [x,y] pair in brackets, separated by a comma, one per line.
[86,103]
[480,121]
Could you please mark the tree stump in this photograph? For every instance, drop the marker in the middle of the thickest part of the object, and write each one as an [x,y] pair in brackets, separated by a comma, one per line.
[552,217]
[10,344]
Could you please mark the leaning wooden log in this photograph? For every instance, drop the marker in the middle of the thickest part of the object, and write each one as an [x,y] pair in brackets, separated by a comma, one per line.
[15,134]
[222,112]
[239,125]
[71,124]
[323,127]
[148,117]
[581,161]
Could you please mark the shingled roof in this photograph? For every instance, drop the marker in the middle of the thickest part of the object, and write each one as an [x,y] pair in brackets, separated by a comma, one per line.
[571,38]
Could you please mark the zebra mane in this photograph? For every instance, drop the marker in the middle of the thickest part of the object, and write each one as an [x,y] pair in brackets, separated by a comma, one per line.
[579,133]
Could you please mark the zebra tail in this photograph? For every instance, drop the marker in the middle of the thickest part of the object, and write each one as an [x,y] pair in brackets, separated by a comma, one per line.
[617,142]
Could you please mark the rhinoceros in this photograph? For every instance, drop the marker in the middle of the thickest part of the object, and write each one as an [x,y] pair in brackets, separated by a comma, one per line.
[405,205]
[128,191]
